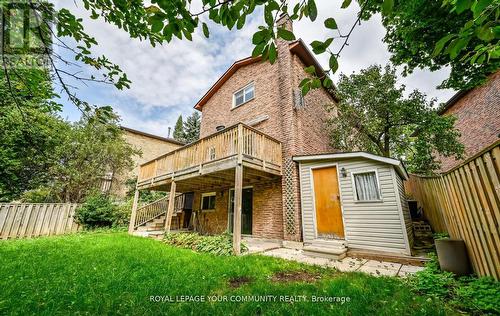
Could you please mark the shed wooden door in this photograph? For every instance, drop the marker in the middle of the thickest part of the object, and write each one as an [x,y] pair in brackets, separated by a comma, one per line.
[327,201]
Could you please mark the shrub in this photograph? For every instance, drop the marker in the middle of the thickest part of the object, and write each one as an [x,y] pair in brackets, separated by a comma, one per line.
[480,295]
[221,245]
[469,294]
[432,281]
[97,211]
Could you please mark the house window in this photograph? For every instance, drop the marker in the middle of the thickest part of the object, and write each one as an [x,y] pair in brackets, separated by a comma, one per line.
[243,95]
[208,202]
[366,186]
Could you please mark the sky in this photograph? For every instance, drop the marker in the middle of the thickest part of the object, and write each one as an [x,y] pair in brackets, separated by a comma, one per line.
[168,80]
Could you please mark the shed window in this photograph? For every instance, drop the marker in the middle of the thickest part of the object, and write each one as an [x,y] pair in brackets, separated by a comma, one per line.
[243,95]
[366,185]
[208,201]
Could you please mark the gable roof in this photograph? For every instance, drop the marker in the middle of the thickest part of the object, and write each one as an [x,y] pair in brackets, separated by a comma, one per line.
[400,168]
[165,139]
[297,47]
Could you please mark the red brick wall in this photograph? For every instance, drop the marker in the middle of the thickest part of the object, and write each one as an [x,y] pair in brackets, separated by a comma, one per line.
[218,110]
[478,119]
[267,222]
[301,130]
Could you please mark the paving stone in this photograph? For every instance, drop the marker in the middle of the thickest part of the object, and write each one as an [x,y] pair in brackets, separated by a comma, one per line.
[372,267]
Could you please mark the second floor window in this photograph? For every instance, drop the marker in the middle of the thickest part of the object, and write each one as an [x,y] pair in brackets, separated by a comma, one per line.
[243,95]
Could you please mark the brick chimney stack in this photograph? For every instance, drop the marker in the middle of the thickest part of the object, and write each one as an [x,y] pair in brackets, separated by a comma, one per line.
[285,22]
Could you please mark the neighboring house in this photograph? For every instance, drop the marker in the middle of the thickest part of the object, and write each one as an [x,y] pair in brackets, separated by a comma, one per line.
[478,118]
[254,122]
[150,146]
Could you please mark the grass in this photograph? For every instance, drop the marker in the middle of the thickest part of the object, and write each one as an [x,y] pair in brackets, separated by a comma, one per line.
[114,273]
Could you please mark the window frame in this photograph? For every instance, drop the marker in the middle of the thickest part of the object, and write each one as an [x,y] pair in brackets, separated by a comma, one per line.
[251,84]
[207,194]
[355,193]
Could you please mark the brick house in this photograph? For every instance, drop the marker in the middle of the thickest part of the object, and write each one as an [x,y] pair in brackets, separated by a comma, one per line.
[478,118]
[243,173]
[150,146]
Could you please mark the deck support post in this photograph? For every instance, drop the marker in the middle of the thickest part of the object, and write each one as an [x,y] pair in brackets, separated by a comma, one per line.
[131,226]
[171,205]
[238,191]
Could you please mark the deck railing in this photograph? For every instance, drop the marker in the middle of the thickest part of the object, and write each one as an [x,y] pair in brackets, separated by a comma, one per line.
[227,143]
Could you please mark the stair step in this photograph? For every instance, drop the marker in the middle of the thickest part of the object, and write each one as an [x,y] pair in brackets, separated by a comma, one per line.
[336,253]
[327,243]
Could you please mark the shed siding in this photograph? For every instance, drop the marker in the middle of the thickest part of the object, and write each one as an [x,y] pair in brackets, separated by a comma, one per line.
[367,225]
[406,210]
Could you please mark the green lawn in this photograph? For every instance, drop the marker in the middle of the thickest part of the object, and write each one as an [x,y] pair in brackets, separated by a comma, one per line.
[113,273]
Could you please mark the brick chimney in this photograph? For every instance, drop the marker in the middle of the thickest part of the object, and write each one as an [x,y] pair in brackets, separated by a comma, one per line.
[285,22]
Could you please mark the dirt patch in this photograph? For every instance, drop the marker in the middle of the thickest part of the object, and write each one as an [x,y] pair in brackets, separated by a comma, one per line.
[239,281]
[295,276]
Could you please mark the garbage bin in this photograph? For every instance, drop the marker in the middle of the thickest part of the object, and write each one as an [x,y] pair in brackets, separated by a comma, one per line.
[452,256]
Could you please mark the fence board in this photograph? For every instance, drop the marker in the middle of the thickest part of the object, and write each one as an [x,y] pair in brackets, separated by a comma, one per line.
[465,202]
[26,220]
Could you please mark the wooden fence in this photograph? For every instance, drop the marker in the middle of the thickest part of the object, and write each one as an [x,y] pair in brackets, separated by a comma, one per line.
[465,202]
[36,219]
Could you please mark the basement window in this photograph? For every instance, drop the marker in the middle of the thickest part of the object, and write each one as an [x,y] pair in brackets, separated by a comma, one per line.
[208,202]
[243,95]
[366,186]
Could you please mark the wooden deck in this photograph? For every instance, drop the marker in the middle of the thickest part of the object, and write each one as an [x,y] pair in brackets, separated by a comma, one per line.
[211,161]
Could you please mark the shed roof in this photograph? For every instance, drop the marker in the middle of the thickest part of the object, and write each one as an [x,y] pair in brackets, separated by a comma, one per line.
[400,168]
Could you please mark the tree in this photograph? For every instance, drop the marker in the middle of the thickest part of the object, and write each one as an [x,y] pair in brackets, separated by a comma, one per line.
[414,31]
[87,152]
[374,116]
[179,130]
[30,130]
[192,127]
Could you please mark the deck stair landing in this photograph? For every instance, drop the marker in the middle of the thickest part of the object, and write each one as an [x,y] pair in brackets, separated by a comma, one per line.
[323,248]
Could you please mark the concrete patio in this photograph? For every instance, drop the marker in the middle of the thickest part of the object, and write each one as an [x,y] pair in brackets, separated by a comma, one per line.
[348,264]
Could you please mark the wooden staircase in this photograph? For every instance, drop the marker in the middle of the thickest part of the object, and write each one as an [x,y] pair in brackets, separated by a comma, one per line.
[150,218]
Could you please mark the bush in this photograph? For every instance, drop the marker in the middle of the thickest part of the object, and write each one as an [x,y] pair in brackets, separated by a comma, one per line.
[97,211]
[432,281]
[221,245]
[469,294]
[478,295]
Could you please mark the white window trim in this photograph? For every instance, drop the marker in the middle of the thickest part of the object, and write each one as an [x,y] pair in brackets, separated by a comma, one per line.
[234,106]
[353,182]
[201,201]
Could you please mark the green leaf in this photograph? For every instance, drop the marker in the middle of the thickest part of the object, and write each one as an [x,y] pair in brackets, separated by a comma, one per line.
[313,10]
[310,70]
[345,4]
[334,64]
[479,6]
[316,83]
[156,26]
[285,34]
[305,88]
[268,15]
[485,33]
[272,53]
[327,83]
[458,46]
[304,81]
[257,51]
[206,32]
[387,7]
[440,44]
[259,37]
[462,5]
[331,23]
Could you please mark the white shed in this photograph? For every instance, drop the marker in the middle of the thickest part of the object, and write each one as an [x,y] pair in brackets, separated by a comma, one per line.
[354,200]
